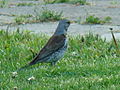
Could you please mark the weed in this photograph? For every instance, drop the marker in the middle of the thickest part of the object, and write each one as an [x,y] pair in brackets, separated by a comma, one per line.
[48,15]
[115,41]
[107,19]
[45,16]
[81,2]
[93,20]
[114,2]
[22,19]
[96,20]
[25,4]
[3,3]
[55,1]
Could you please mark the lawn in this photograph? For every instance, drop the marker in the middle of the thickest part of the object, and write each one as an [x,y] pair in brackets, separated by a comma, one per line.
[90,63]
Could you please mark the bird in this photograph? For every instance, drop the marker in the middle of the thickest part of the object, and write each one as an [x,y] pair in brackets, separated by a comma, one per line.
[56,46]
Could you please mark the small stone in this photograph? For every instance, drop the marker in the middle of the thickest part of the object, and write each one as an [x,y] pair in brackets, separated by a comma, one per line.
[31,78]
[14,74]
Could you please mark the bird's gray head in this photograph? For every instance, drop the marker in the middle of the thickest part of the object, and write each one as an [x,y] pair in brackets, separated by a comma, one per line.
[62,27]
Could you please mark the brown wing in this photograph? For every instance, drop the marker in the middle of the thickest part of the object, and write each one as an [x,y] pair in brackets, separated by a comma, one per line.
[54,43]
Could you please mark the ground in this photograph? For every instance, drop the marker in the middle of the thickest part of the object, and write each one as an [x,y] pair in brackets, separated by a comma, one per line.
[99,8]
[90,62]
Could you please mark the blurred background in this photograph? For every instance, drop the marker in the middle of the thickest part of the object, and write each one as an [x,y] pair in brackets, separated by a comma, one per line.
[95,16]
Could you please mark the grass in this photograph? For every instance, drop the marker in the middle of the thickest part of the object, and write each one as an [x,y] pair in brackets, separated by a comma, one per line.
[44,16]
[21,19]
[114,2]
[48,15]
[55,1]
[3,3]
[26,4]
[96,20]
[81,2]
[89,64]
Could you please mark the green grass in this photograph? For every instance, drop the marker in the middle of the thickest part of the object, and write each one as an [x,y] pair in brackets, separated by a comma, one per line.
[44,16]
[114,2]
[3,3]
[81,2]
[89,64]
[48,15]
[21,19]
[26,4]
[55,1]
[97,20]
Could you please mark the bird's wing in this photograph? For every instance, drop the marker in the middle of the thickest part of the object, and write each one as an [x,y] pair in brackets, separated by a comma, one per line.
[54,43]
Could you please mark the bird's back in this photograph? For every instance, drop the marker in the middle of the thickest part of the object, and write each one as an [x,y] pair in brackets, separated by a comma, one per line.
[53,49]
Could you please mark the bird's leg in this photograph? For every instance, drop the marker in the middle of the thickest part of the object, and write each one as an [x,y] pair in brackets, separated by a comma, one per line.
[53,63]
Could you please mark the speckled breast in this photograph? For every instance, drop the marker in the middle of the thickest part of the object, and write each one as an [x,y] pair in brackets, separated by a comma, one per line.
[58,54]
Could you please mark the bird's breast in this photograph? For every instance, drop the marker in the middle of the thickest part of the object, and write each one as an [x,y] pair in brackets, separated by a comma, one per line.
[59,53]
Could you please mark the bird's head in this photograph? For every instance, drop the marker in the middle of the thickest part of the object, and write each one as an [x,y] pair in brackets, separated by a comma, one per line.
[62,27]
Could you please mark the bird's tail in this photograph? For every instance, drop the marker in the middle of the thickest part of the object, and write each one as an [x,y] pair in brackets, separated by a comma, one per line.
[33,62]
[29,64]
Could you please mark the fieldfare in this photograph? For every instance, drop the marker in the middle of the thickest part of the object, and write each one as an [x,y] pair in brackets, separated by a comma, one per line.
[55,47]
